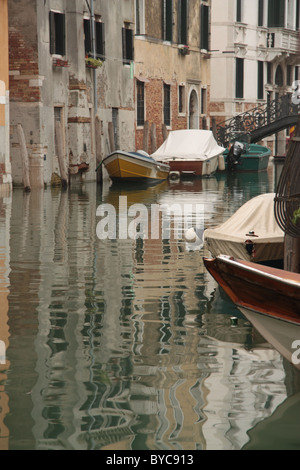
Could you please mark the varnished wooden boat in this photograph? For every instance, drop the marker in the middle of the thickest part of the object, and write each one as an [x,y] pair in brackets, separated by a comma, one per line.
[137,167]
[268,297]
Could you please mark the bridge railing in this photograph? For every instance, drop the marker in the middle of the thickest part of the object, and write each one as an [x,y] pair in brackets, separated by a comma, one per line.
[256,118]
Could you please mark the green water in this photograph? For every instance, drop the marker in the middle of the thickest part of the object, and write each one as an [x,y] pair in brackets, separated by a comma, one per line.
[123,344]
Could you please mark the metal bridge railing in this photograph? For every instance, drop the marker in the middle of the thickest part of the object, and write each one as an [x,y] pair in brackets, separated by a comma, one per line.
[262,116]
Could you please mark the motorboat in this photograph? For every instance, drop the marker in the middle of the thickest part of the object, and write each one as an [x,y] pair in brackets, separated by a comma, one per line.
[191,152]
[137,167]
[241,155]
[268,297]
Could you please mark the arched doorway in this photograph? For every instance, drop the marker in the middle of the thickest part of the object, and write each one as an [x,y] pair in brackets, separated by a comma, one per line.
[193,110]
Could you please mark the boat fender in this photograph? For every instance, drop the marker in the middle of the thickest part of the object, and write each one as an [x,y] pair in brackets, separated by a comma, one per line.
[250,248]
[221,162]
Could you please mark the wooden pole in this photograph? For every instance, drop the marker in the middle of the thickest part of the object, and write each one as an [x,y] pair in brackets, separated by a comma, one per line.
[164,132]
[98,148]
[111,136]
[24,156]
[153,138]
[61,156]
[146,136]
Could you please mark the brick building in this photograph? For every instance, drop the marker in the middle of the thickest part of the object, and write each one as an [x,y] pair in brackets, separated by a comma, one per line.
[71,114]
[172,68]
[5,167]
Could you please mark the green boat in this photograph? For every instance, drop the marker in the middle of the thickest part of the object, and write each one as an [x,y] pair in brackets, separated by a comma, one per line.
[243,156]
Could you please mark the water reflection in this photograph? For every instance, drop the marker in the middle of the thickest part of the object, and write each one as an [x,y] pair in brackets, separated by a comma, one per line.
[125,344]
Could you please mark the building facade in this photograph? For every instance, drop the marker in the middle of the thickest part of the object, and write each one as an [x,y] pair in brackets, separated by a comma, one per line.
[254,56]
[5,167]
[172,68]
[73,110]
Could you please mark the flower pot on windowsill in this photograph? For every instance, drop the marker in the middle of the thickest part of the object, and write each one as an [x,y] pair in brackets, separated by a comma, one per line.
[184,50]
[93,63]
[60,63]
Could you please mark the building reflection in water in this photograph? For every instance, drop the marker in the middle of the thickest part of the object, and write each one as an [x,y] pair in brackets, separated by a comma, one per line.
[114,343]
[5,214]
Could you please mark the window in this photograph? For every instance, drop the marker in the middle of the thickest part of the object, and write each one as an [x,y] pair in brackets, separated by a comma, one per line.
[288,75]
[204,27]
[57,33]
[260,80]
[279,76]
[276,13]
[203,100]
[99,38]
[167,104]
[167,20]
[296,77]
[140,17]
[127,43]
[269,72]
[183,22]
[260,20]
[238,11]
[140,98]
[239,78]
[181,99]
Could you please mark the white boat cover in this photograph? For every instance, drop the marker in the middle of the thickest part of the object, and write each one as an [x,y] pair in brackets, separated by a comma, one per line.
[257,216]
[190,144]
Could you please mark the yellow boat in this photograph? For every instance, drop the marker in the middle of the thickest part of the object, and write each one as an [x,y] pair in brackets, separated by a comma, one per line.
[136,167]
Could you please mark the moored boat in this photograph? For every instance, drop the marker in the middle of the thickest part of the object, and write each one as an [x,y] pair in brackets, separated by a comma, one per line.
[243,156]
[190,152]
[268,297]
[137,167]
[251,233]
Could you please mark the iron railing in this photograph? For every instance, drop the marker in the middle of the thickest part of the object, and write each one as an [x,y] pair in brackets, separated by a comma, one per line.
[263,116]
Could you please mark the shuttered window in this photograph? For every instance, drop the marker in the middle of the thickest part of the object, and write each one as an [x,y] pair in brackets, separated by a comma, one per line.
[238,11]
[99,39]
[57,33]
[167,20]
[127,44]
[239,79]
[260,20]
[204,33]
[276,11]
[260,80]
[183,22]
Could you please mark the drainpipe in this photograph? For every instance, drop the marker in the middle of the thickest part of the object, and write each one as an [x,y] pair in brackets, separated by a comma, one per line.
[94,54]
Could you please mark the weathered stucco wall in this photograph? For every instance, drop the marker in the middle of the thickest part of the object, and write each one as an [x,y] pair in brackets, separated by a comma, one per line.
[43,93]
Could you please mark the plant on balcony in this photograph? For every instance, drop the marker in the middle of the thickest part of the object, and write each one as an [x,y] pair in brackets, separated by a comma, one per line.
[184,50]
[93,63]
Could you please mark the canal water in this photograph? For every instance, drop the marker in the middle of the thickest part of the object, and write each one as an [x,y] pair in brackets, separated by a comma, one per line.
[127,343]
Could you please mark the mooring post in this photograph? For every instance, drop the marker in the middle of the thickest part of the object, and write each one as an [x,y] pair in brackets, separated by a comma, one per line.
[24,157]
